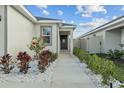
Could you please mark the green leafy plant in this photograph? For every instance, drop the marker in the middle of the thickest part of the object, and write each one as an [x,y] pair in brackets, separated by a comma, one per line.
[53,57]
[122,86]
[107,71]
[97,64]
[115,54]
[81,54]
[37,45]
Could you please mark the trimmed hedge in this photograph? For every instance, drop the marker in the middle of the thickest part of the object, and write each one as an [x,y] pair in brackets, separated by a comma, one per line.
[97,64]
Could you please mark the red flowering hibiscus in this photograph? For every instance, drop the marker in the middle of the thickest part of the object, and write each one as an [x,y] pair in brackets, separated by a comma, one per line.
[34,41]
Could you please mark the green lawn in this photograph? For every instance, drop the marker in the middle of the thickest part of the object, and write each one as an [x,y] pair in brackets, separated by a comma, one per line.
[119,71]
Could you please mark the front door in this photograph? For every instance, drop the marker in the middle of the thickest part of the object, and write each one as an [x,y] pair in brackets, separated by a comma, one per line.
[64,42]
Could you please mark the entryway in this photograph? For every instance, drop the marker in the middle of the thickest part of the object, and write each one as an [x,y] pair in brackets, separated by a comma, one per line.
[64,42]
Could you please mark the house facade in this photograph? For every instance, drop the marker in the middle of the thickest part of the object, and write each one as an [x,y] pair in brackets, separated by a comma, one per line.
[18,26]
[109,36]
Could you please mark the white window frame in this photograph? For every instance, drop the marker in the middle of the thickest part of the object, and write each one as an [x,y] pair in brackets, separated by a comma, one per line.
[47,44]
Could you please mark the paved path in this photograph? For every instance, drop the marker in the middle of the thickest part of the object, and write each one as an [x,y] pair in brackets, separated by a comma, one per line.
[69,74]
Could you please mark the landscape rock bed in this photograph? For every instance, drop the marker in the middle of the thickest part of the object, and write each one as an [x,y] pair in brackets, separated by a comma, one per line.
[33,75]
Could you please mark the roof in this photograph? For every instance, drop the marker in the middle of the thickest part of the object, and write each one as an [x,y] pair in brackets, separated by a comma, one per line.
[101,27]
[36,19]
[65,24]
[43,18]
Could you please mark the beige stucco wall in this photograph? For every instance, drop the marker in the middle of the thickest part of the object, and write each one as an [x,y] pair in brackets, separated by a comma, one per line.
[94,44]
[20,32]
[122,38]
[54,45]
[113,39]
[76,43]
[91,42]
[110,40]
[2,30]
[83,44]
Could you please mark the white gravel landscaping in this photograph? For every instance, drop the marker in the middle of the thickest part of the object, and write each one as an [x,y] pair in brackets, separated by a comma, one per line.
[33,75]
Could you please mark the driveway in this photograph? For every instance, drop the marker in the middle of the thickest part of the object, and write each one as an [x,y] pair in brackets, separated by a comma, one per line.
[69,74]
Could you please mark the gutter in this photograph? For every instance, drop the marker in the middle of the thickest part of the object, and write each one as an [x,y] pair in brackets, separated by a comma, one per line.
[21,9]
[28,15]
[49,21]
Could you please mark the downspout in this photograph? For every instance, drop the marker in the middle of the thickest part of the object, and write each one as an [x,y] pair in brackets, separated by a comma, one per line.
[57,39]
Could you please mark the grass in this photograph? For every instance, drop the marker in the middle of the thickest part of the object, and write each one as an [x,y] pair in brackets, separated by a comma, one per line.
[119,71]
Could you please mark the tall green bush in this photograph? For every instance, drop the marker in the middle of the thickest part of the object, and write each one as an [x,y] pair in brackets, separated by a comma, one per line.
[97,64]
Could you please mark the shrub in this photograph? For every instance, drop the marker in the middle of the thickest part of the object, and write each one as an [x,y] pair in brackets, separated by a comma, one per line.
[53,57]
[81,54]
[44,58]
[114,54]
[107,71]
[6,62]
[98,65]
[36,45]
[24,59]
[122,86]
[94,63]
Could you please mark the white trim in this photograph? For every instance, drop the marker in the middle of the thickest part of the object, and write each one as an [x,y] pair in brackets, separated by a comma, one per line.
[68,27]
[49,21]
[41,28]
[25,12]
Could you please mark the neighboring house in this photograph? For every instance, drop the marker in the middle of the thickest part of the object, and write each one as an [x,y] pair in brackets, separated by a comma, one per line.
[18,26]
[106,37]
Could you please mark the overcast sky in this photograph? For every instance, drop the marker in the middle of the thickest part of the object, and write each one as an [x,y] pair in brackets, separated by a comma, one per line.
[85,17]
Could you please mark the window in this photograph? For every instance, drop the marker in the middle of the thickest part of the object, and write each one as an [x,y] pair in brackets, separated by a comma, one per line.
[46,34]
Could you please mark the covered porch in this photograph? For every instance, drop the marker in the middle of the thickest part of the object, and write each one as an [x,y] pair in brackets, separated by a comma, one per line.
[114,39]
[65,41]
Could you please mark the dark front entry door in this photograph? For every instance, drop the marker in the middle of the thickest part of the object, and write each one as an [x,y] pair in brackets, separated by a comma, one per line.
[63,42]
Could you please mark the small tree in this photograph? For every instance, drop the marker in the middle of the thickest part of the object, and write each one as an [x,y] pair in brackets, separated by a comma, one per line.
[36,45]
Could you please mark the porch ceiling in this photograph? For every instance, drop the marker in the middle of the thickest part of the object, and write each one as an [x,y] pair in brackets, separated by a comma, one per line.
[64,32]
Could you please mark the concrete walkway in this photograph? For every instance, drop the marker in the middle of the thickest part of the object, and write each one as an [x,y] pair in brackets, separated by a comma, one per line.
[69,74]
